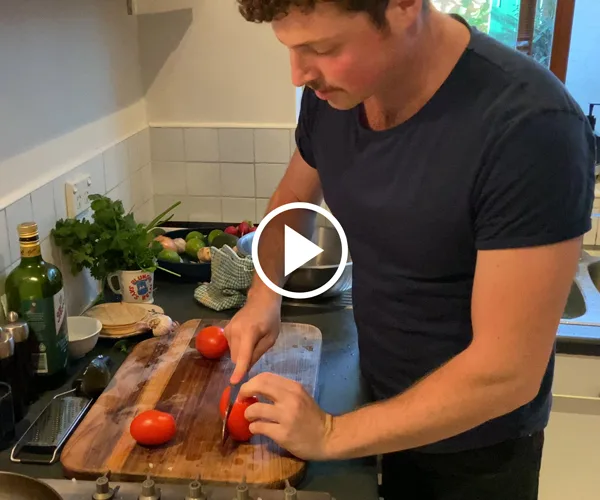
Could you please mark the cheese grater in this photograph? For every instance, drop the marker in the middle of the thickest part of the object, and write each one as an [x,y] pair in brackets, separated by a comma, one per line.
[43,441]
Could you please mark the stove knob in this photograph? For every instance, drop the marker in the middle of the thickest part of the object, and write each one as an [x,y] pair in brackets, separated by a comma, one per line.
[103,489]
[242,492]
[195,491]
[290,492]
[149,490]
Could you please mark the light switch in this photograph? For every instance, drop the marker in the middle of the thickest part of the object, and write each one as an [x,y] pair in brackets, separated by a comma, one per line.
[77,195]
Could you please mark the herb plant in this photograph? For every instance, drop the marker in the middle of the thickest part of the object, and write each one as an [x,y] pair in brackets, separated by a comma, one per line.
[112,241]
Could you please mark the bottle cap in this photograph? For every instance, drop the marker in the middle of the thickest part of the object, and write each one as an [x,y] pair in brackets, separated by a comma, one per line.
[28,229]
[19,329]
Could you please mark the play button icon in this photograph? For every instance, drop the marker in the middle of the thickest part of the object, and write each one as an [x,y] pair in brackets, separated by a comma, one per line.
[299,250]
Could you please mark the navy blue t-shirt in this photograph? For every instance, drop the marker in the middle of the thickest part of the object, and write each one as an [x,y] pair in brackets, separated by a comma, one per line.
[500,157]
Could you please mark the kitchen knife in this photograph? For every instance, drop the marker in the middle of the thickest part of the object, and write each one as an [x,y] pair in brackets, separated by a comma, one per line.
[233,394]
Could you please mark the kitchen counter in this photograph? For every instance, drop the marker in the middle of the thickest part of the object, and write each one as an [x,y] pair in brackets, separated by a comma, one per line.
[339,388]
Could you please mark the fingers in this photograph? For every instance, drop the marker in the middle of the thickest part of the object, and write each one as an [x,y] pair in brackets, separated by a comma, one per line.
[263,345]
[268,429]
[263,411]
[273,387]
[243,357]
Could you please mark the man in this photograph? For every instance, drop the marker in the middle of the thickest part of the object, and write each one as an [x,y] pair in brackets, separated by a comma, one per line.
[462,172]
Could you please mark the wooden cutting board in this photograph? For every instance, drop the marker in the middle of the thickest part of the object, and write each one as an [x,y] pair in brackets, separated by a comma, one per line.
[167,373]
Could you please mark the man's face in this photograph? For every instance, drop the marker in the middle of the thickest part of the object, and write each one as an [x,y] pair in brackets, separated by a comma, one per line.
[343,56]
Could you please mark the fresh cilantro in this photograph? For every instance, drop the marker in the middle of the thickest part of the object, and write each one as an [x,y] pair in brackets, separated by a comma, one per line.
[113,241]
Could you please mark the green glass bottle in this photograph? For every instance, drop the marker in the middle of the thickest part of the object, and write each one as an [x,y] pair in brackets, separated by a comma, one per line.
[34,289]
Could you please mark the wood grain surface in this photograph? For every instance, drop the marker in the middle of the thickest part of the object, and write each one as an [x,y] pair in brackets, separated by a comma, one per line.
[168,374]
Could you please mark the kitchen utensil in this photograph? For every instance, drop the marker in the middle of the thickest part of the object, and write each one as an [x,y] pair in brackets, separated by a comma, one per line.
[318,271]
[25,344]
[18,487]
[168,374]
[83,335]
[7,415]
[44,439]
[136,287]
[234,390]
[10,374]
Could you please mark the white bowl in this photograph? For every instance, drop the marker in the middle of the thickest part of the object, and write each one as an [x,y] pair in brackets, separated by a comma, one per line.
[83,335]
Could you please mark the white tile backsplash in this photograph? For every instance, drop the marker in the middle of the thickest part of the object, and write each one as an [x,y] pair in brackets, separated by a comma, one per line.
[268,176]
[167,144]
[44,213]
[201,144]
[236,145]
[292,142]
[95,169]
[203,209]
[261,208]
[20,211]
[116,165]
[272,145]
[145,213]
[203,179]
[5,259]
[145,180]
[235,210]
[162,202]
[138,146]
[169,177]
[237,179]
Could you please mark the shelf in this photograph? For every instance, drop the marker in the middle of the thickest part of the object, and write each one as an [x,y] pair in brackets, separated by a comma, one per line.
[140,7]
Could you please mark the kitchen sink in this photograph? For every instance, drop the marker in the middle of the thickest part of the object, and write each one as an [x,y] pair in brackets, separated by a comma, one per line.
[575,307]
[583,303]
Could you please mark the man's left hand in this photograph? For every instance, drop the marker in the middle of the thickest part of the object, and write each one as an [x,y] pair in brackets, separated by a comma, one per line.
[293,420]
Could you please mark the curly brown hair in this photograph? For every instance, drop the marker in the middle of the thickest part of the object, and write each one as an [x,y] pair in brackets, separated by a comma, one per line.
[261,11]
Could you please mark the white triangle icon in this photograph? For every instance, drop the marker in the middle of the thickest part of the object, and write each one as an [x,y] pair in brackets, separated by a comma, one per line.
[298,250]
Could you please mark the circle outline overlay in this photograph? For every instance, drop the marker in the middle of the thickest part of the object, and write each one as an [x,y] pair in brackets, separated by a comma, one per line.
[306,206]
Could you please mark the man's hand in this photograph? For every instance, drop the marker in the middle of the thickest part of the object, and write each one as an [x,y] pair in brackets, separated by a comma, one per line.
[252,332]
[294,420]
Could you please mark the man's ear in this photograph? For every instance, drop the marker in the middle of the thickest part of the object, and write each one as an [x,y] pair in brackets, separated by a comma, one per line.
[405,10]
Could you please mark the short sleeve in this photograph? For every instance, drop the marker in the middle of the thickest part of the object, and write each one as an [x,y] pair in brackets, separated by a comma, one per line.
[537,185]
[306,122]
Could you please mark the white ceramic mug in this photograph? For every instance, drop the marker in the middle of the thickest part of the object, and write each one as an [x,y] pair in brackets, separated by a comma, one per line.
[133,286]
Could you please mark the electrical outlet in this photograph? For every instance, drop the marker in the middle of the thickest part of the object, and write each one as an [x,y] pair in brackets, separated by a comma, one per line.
[77,194]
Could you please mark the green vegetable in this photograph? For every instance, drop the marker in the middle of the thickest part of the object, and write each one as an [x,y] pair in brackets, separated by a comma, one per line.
[112,242]
[192,247]
[221,240]
[213,234]
[195,235]
[169,256]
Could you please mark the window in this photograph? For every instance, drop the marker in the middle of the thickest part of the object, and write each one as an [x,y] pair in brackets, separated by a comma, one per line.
[538,28]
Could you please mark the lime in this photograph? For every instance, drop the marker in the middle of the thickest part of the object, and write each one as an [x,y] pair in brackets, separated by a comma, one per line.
[169,256]
[157,231]
[195,235]
[213,234]
[192,247]
[221,240]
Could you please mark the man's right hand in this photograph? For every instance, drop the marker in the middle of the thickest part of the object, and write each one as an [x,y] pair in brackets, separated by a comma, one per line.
[252,332]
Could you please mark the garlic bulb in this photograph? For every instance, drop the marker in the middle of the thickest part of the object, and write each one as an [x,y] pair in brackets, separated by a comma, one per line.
[204,254]
[180,244]
[161,325]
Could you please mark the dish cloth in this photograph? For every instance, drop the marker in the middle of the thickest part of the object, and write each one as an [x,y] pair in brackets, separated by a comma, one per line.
[231,276]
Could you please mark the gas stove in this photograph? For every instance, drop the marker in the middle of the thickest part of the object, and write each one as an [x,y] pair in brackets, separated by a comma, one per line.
[103,489]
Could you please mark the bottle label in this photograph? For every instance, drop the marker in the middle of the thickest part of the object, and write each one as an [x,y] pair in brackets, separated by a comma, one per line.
[30,251]
[47,320]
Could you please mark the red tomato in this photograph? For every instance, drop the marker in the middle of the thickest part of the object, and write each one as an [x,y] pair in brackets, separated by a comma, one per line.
[237,425]
[211,342]
[153,427]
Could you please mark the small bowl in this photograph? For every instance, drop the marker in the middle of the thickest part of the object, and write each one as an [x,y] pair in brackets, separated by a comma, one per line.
[83,335]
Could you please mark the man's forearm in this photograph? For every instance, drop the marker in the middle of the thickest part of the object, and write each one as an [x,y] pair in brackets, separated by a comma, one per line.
[455,398]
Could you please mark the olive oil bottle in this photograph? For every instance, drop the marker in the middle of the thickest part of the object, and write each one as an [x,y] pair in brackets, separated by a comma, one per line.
[34,289]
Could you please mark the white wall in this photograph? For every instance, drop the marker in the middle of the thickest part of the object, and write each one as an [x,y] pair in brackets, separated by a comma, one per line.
[583,74]
[71,104]
[70,85]
[209,66]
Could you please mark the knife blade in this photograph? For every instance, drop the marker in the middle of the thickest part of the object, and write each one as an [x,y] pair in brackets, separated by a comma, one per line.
[234,390]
